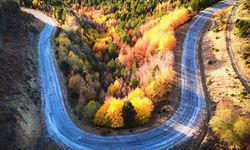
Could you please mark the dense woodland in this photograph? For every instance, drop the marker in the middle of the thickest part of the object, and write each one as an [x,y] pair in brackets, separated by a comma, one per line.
[117,53]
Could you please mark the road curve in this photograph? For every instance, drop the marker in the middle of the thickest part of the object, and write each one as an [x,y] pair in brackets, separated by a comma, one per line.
[177,130]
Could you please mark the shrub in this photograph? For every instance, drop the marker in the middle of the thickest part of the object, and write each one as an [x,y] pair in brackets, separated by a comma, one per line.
[75,62]
[216,29]
[128,114]
[101,118]
[133,83]
[138,92]
[114,87]
[201,4]
[244,27]
[65,68]
[111,65]
[160,86]
[110,114]
[246,53]
[75,83]
[79,110]
[143,108]
[112,47]
[88,89]
[231,127]
[90,109]
[114,113]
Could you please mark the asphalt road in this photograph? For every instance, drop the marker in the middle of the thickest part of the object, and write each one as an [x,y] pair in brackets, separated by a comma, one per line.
[177,130]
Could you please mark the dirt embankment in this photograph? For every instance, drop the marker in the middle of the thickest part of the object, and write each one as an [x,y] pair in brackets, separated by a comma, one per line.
[222,82]
[20,119]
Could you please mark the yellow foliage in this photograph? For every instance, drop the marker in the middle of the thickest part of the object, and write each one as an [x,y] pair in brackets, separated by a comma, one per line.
[63,40]
[138,92]
[114,113]
[160,38]
[114,87]
[71,23]
[100,19]
[100,116]
[100,45]
[35,3]
[143,108]
[158,87]
[110,113]
[150,89]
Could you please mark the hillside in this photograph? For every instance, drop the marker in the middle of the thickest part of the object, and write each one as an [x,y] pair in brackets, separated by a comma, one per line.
[20,117]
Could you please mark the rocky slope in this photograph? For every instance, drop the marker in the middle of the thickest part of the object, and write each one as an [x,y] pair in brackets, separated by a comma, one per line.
[20,119]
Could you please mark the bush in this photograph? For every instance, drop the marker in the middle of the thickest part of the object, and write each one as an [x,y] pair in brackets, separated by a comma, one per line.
[114,113]
[111,65]
[65,68]
[75,83]
[133,83]
[244,27]
[114,87]
[144,108]
[90,109]
[230,127]
[79,110]
[110,114]
[246,53]
[201,4]
[100,117]
[136,93]
[75,62]
[112,47]
[128,114]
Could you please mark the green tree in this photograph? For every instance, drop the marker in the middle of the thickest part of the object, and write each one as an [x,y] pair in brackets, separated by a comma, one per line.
[230,127]
[112,47]
[128,113]
[90,109]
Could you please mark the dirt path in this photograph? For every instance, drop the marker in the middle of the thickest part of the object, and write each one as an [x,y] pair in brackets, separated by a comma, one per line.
[234,63]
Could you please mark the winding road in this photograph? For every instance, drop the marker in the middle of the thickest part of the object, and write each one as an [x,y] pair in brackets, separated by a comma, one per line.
[178,129]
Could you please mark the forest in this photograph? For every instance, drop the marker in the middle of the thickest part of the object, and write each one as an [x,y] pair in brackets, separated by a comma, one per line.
[117,56]
[112,59]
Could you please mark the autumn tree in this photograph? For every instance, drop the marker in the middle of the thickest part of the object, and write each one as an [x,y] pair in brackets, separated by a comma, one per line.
[230,127]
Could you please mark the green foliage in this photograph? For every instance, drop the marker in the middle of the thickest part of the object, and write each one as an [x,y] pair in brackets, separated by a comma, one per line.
[230,127]
[201,4]
[59,13]
[128,113]
[133,83]
[65,68]
[216,29]
[79,110]
[91,108]
[246,53]
[243,27]
[26,3]
[111,64]
[112,47]
[246,56]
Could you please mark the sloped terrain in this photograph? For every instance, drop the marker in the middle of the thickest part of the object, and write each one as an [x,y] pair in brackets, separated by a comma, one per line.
[20,124]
